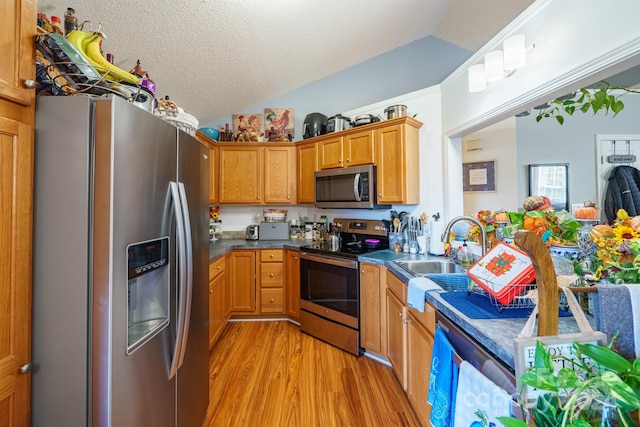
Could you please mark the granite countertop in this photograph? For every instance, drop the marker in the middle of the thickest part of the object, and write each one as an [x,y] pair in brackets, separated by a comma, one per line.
[496,335]
[220,247]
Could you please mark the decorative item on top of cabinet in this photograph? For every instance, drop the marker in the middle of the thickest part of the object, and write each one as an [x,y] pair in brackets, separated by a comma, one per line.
[271,274]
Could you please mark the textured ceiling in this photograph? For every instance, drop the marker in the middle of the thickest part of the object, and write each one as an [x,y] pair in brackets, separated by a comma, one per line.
[214,57]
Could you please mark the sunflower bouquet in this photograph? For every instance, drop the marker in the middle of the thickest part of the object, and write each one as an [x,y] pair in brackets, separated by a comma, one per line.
[617,256]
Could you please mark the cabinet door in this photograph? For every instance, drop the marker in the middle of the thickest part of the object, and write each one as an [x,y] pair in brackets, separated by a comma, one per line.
[373,308]
[242,281]
[419,347]
[213,175]
[359,149]
[398,164]
[240,174]
[330,153]
[217,317]
[16,193]
[307,166]
[396,337]
[292,284]
[280,175]
[18,55]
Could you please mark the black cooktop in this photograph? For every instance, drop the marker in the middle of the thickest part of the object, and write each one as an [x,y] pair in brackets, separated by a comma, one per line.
[358,237]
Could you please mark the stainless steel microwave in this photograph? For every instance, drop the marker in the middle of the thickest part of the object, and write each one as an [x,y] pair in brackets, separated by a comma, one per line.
[347,188]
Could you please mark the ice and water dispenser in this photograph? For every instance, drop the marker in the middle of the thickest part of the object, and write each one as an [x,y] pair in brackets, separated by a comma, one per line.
[148,276]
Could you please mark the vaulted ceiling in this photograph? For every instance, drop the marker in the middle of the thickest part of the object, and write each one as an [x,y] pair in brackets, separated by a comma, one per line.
[219,56]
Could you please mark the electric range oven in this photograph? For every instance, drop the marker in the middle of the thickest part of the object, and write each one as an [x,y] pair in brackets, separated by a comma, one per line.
[330,283]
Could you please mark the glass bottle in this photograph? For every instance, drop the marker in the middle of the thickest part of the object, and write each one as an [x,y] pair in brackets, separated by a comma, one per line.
[70,20]
[55,24]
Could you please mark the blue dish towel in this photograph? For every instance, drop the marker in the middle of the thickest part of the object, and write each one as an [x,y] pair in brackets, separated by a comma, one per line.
[443,381]
[418,287]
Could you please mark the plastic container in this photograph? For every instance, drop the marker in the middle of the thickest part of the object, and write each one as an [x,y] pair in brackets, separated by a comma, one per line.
[465,256]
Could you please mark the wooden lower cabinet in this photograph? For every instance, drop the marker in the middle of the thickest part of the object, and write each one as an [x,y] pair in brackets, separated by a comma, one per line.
[419,347]
[396,336]
[271,281]
[242,281]
[373,309]
[292,284]
[217,299]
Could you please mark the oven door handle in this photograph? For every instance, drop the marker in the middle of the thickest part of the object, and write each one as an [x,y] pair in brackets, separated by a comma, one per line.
[330,260]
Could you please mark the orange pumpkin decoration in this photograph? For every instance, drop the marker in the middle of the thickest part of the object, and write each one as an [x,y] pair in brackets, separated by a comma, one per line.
[600,230]
[539,225]
[586,212]
[501,217]
[635,223]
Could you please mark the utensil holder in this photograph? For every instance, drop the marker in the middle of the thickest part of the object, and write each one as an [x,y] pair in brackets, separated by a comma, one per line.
[396,240]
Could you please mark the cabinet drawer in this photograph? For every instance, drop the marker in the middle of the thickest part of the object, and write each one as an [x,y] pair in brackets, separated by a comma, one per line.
[216,267]
[426,319]
[272,300]
[397,286]
[272,275]
[271,255]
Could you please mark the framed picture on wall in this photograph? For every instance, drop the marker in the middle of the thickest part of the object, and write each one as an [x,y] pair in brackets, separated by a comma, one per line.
[479,176]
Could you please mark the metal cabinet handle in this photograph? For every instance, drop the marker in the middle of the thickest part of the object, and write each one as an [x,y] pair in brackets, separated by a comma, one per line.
[379,194]
[339,160]
[26,368]
[219,267]
[400,314]
[406,321]
[348,160]
[361,271]
[29,84]
[210,291]
[271,300]
[270,274]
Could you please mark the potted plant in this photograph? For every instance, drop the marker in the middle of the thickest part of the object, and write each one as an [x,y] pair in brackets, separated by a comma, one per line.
[602,97]
[599,385]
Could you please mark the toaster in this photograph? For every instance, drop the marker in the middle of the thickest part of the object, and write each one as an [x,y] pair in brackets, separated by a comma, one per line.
[252,232]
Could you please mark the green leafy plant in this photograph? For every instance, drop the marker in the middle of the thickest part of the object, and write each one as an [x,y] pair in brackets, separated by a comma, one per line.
[602,97]
[597,374]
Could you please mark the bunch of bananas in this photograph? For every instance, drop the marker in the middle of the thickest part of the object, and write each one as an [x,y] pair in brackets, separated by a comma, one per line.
[88,45]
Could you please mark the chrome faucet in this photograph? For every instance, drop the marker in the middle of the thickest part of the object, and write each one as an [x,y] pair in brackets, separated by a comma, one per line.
[447,230]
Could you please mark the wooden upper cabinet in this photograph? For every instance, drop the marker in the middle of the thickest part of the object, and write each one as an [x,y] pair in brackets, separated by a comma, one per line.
[213,166]
[352,149]
[359,148]
[307,166]
[255,173]
[280,175]
[213,175]
[397,161]
[17,73]
[330,154]
[240,174]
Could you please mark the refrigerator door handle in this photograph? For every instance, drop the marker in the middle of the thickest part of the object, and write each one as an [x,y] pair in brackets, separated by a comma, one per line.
[182,268]
[189,259]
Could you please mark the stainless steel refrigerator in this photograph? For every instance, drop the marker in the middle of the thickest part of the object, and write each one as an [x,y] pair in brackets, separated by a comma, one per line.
[120,266]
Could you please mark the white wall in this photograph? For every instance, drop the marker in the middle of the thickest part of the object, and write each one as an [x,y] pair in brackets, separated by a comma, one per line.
[577,43]
[499,144]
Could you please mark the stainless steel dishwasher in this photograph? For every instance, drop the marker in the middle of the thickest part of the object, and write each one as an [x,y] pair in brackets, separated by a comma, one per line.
[473,352]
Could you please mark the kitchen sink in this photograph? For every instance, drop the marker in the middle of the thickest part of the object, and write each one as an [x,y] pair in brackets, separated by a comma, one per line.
[425,267]
[450,276]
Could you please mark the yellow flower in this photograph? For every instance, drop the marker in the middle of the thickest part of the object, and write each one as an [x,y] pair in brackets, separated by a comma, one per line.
[622,214]
[624,232]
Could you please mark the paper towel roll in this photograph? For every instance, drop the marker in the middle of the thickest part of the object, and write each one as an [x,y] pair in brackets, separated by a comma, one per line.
[436,229]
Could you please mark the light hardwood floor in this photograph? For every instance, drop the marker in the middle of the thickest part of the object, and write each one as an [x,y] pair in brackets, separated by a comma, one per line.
[268,374]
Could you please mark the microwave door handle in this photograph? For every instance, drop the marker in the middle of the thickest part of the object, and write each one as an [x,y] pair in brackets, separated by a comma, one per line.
[356,187]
